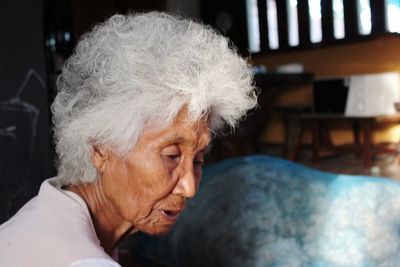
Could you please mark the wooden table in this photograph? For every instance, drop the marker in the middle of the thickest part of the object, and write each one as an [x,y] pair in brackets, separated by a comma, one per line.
[363,125]
[245,140]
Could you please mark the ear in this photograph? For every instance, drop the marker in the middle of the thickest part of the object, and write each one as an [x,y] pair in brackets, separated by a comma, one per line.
[99,158]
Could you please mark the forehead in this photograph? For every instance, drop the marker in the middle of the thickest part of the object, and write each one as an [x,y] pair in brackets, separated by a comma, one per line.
[182,130]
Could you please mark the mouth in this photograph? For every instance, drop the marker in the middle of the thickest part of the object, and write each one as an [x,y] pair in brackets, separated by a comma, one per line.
[171,215]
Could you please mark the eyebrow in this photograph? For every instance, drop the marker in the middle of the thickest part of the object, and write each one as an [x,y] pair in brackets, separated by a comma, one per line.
[207,148]
[177,139]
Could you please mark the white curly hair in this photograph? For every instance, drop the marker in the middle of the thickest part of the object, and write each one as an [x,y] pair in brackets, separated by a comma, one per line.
[136,69]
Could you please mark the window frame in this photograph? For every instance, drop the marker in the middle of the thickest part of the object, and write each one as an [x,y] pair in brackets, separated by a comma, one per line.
[351,25]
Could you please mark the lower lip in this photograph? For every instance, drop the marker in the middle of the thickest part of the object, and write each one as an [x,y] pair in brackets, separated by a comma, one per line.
[170,218]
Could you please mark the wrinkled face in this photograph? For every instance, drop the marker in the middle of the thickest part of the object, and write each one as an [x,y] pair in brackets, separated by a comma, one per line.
[149,188]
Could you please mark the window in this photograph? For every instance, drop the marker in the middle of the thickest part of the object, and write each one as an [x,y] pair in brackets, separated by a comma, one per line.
[293,23]
[325,25]
[393,15]
[338,19]
[272,17]
[364,17]
[315,20]
[253,26]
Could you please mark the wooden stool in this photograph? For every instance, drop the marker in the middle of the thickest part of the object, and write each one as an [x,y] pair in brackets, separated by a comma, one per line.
[319,123]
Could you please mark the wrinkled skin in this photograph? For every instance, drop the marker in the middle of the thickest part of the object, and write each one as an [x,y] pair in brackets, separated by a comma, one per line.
[147,190]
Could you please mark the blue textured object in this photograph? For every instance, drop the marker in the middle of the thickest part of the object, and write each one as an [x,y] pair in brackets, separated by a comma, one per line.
[266,212]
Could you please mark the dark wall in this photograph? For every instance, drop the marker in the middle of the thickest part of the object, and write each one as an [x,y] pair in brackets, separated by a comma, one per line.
[25,157]
[228,17]
[89,12]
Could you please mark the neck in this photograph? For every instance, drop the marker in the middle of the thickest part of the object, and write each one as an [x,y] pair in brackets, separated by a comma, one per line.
[109,226]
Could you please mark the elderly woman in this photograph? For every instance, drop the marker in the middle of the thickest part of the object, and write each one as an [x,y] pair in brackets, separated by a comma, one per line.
[138,102]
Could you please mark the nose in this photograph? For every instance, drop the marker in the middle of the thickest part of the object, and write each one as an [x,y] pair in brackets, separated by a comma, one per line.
[188,183]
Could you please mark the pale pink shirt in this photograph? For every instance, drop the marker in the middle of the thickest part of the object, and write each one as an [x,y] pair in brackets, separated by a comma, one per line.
[54,229]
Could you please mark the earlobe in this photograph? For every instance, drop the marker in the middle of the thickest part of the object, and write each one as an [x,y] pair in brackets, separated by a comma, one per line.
[99,158]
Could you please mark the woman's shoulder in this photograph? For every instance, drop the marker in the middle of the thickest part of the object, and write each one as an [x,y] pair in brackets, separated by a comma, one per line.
[54,226]
[94,262]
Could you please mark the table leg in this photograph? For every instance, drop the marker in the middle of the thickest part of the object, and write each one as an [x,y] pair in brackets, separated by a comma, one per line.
[315,140]
[297,148]
[367,154]
[356,138]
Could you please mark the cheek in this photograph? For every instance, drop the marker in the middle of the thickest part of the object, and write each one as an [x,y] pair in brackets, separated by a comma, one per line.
[155,183]
[167,176]
[144,184]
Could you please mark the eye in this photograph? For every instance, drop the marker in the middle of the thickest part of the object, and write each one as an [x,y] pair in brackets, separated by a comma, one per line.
[198,163]
[174,158]
[171,154]
[199,159]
